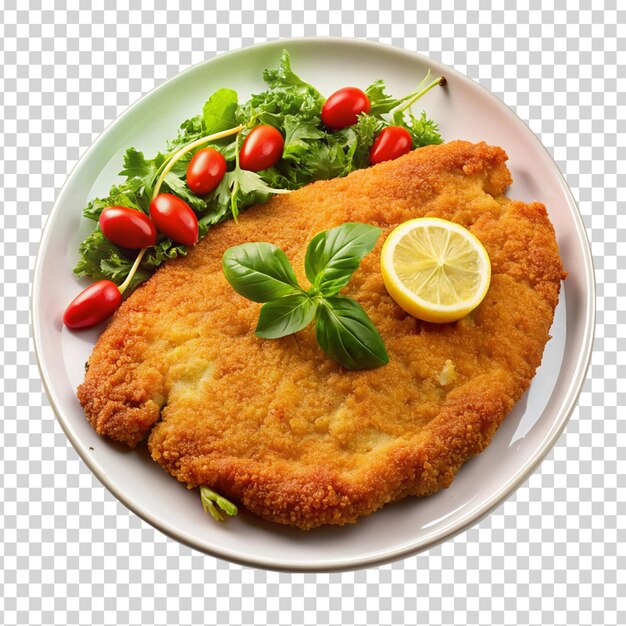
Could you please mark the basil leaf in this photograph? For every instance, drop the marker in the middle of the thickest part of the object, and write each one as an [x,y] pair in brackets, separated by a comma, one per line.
[220,111]
[285,316]
[260,272]
[347,335]
[333,255]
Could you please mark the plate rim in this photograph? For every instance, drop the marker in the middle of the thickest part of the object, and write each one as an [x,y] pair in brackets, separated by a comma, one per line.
[368,559]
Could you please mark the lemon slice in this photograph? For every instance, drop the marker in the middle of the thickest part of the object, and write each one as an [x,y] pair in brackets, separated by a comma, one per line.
[434,269]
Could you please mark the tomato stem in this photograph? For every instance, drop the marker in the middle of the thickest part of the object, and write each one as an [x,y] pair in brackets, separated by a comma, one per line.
[440,80]
[187,148]
[132,272]
[417,90]
[237,149]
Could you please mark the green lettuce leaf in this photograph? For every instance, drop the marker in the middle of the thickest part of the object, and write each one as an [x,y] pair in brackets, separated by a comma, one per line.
[189,131]
[299,137]
[284,78]
[423,130]
[179,187]
[240,189]
[101,259]
[220,111]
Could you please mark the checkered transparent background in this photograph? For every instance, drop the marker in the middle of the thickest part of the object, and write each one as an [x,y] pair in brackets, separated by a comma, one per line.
[554,553]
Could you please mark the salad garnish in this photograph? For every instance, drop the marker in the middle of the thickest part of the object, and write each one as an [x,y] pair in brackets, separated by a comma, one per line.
[275,142]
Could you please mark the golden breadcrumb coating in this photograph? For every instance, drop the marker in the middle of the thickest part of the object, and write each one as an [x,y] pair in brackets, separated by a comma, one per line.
[278,426]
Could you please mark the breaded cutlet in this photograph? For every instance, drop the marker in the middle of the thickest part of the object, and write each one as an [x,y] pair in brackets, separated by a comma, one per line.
[282,429]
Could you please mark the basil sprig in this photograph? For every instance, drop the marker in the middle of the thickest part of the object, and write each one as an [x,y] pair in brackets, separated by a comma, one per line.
[261,272]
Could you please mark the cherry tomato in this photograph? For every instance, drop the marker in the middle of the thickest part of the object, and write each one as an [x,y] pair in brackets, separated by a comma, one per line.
[205,171]
[261,149]
[128,228]
[343,107]
[93,305]
[393,141]
[174,218]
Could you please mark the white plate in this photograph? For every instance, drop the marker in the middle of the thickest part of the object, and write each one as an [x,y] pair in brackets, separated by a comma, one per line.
[464,110]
